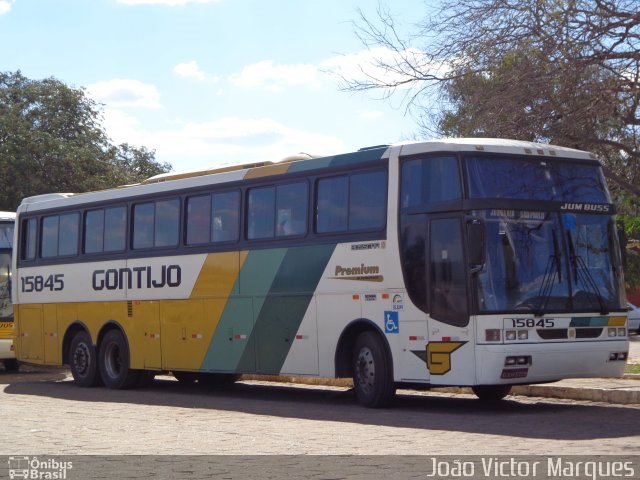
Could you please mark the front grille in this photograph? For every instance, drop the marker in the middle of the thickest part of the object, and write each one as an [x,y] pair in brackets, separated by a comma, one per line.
[588,332]
[563,333]
[552,333]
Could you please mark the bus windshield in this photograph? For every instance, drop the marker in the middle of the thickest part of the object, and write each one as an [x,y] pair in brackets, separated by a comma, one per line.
[547,261]
[535,179]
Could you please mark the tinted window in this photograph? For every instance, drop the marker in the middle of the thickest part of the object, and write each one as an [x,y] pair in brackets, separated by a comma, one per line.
[367,200]
[6,235]
[277,211]
[448,279]
[115,229]
[351,202]
[60,235]
[225,220]
[29,239]
[167,223]
[50,226]
[291,209]
[213,218]
[535,179]
[68,238]
[143,217]
[261,212]
[198,219]
[332,208]
[429,182]
[105,230]
[156,224]
[94,231]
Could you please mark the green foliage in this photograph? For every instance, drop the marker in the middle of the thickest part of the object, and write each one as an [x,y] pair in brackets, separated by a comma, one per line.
[51,140]
[632,272]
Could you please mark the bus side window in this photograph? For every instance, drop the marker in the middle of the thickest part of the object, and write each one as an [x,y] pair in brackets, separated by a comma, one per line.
[332,204]
[167,223]
[291,209]
[28,237]
[143,218]
[429,182]
[225,217]
[261,213]
[198,219]
[115,229]
[367,200]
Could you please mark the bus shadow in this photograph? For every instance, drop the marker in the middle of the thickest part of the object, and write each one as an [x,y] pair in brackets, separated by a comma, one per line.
[416,410]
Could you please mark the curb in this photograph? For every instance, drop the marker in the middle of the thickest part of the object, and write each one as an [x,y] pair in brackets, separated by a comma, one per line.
[615,395]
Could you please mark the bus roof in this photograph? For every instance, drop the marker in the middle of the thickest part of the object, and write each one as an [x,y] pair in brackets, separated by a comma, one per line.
[301,162]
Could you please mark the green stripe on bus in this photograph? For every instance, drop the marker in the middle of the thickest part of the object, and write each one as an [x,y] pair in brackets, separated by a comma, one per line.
[338,160]
[287,302]
[233,334]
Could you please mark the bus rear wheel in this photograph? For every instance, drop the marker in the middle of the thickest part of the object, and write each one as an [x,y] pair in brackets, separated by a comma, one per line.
[114,363]
[83,360]
[372,372]
[491,393]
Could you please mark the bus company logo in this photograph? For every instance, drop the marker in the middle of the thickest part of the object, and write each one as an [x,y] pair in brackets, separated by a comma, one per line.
[137,277]
[439,356]
[363,272]
[34,468]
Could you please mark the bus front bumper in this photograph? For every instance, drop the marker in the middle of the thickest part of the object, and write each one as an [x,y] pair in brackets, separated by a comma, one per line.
[539,363]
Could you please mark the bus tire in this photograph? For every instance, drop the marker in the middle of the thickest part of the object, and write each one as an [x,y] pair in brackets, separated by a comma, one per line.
[11,365]
[114,362]
[491,393]
[372,372]
[83,360]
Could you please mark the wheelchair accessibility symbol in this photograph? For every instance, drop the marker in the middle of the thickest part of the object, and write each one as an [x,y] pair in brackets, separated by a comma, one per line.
[391,322]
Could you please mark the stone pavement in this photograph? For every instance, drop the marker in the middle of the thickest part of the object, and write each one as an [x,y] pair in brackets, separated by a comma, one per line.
[624,390]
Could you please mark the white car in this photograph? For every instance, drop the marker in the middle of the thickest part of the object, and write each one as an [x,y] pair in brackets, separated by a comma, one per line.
[633,322]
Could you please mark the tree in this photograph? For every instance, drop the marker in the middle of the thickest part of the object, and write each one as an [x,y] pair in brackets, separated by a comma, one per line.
[558,71]
[51,140]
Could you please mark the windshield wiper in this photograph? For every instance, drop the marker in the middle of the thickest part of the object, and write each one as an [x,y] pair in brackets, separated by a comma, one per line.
[581,272]
[547,280]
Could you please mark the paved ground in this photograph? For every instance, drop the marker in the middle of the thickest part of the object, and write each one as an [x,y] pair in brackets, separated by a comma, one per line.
[43,412]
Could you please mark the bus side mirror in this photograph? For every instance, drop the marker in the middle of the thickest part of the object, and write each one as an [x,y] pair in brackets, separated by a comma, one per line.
[475,244]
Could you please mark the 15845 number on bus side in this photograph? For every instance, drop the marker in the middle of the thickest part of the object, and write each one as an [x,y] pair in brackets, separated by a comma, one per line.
[39,283]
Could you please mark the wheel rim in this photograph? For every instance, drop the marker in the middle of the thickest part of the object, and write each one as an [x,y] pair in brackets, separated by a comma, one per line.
[113,360]
[365,370]
[82,359]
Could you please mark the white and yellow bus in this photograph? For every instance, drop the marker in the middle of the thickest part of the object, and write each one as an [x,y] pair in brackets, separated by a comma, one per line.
[476,262]
[7,353]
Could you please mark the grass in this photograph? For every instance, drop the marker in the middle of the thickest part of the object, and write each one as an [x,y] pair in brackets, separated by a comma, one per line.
[632,368]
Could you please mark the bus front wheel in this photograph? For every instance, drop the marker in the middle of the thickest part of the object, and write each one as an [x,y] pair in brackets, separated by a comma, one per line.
[114,362]
[491,393]
[83,360]
[372,372]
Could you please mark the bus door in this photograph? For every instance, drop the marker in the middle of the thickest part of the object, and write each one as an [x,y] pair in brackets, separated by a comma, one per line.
[450,347]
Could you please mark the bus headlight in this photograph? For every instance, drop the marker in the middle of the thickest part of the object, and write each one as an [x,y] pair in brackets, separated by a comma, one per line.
[510,335]
[523,335]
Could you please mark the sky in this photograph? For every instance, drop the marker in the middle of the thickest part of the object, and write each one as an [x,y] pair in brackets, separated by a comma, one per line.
[207,83]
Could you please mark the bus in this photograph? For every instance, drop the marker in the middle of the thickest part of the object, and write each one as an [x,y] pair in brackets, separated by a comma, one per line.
[7,353]
[474,262]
